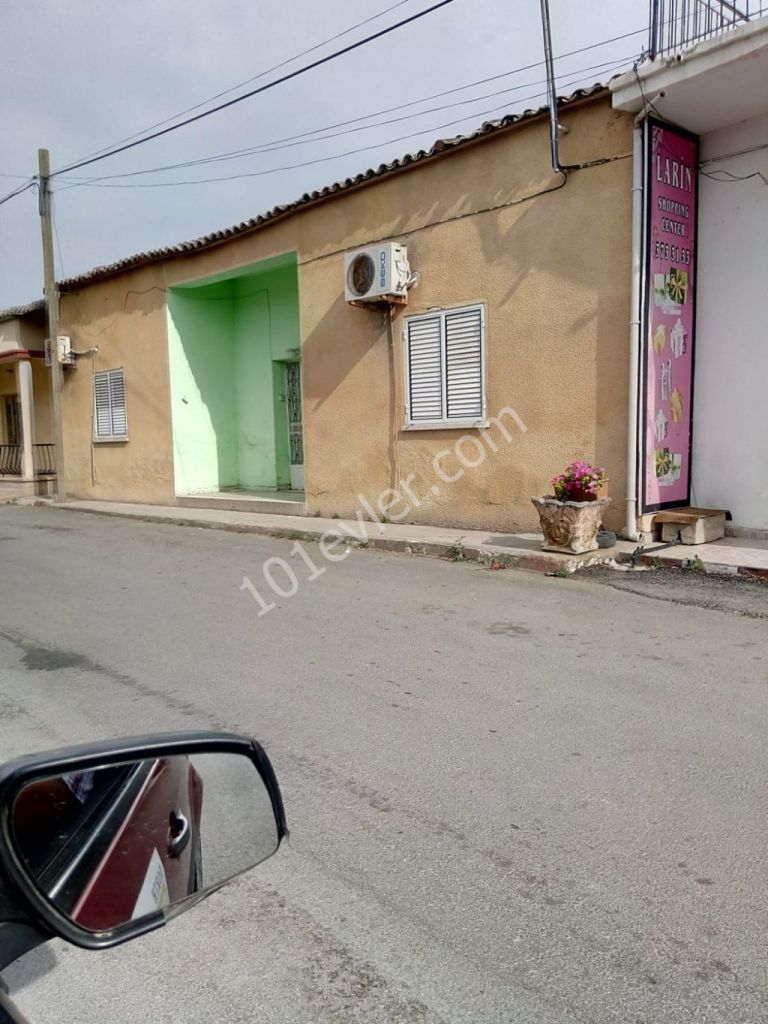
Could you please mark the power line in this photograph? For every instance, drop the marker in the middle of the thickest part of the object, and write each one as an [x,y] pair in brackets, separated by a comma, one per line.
[98,183]
[103,154]
[267,147]
[342,124]
[56,235]
[17,191]
[262,88]
[315,136]
[254,78]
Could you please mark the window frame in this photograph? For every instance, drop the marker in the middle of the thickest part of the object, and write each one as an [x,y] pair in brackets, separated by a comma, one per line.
[445,422]
[110,438]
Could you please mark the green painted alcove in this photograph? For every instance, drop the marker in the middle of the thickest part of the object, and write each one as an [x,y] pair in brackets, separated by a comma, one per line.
[228,340]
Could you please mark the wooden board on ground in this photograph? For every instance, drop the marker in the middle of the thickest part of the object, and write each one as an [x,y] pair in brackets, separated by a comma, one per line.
[686,515]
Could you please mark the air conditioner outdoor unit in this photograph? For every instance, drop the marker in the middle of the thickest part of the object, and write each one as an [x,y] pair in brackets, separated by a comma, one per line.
[63,351]
[64,347]
[376,272]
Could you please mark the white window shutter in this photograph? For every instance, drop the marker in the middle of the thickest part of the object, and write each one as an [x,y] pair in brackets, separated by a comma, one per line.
[425,368]
[110,420]
[464,363]
[117,402]
[103,414]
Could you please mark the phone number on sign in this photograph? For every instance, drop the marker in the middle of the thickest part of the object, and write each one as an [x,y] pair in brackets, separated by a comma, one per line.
[665,251]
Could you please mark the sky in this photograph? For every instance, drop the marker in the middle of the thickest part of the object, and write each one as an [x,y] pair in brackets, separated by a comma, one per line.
[80,75]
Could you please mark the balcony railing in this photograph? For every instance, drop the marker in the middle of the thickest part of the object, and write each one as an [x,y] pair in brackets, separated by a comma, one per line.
[43,457]
[676,25]
[10,459]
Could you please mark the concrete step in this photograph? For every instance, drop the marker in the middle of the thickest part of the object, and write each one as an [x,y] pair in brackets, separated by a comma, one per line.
[244,503]
[13,488]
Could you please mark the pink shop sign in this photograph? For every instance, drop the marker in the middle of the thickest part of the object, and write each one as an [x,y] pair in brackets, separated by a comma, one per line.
[668,323]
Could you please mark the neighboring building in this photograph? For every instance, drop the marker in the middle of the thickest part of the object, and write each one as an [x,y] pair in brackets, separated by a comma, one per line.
[234,363]
[709,74]
[26,438]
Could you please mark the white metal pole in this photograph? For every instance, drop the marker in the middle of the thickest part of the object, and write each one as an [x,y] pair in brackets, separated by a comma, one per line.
[630,527]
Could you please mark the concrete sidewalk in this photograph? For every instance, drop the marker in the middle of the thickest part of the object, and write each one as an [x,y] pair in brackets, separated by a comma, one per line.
[731,555]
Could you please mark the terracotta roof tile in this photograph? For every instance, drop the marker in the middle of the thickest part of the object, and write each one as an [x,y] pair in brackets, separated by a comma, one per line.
[21,311]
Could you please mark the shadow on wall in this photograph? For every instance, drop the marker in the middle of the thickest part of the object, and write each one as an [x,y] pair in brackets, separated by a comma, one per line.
[555,273]
[528,178]
[335,349]
[568,270]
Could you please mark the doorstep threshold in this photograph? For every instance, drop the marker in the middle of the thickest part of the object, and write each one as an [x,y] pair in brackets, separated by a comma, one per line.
[243,501]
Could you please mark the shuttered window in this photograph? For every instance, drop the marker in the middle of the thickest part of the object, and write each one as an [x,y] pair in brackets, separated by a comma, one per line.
[425,367]
[445,364]
[110,422]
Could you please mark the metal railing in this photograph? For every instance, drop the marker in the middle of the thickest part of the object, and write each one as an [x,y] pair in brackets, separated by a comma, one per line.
[10,459]
[676,25]
[44,457]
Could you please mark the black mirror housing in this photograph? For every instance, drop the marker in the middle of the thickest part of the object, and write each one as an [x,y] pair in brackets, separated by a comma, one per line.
[19,776]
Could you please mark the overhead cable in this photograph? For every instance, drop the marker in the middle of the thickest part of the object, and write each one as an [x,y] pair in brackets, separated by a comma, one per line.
[314,135]
[254,78]
[255,92]
[97,183]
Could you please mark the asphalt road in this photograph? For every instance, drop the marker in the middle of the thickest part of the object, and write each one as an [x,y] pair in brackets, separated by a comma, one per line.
[512,798]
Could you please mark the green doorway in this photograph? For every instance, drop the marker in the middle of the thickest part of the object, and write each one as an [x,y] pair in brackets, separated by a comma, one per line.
[230,340]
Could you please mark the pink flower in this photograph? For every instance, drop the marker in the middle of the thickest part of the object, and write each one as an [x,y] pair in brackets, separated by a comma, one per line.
[579,478]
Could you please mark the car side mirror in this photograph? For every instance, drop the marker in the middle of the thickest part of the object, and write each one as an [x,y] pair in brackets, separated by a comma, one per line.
[108,841]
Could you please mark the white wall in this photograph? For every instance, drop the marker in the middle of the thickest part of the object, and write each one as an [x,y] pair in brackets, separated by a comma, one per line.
[730,411]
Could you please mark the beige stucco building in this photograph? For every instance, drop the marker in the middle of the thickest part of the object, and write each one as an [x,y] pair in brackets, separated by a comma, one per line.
[26,438]
[215,338]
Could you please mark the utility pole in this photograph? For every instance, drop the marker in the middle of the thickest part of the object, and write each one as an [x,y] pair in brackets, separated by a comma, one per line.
[51,293]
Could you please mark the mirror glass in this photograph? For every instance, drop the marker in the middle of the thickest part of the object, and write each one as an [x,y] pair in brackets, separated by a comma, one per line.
[114,843]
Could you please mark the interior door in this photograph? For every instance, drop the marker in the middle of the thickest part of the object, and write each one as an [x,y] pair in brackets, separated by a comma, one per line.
[295,427]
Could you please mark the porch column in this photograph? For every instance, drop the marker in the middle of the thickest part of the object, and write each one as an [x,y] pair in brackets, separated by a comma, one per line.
[27,403]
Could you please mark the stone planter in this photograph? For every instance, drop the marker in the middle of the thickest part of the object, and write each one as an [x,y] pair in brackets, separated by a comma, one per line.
[570,526]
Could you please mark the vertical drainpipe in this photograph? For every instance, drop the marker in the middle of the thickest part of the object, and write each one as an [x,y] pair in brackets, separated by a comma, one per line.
[630,526]
[554,127]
